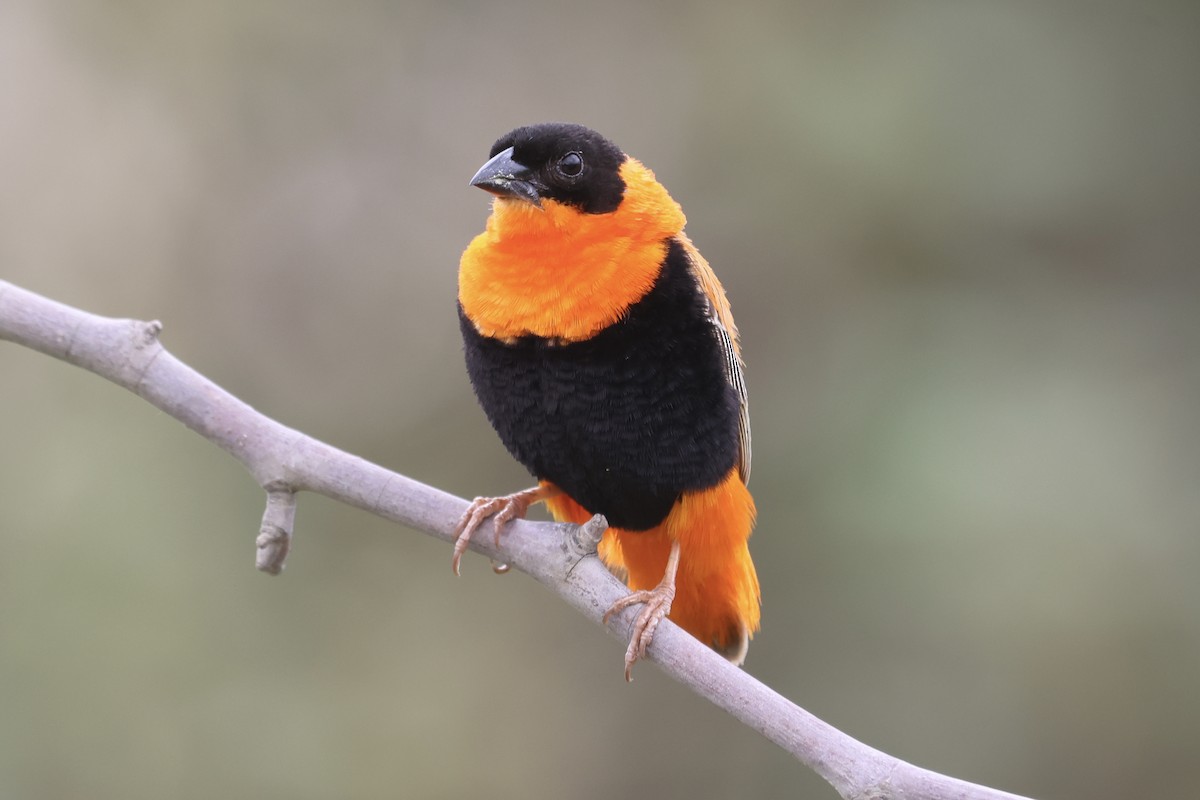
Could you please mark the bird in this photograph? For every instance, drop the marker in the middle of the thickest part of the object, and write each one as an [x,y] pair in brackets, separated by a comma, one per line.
[602,349]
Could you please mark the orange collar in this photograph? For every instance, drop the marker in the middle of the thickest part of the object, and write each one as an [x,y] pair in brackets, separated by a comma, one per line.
[558,273]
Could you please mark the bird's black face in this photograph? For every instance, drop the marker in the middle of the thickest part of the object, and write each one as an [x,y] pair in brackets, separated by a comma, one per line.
[555,161]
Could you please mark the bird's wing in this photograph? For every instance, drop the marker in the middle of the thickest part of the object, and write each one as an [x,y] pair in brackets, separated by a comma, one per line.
[721,317]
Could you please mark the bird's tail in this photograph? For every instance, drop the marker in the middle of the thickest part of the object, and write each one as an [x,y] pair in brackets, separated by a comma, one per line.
[717,595]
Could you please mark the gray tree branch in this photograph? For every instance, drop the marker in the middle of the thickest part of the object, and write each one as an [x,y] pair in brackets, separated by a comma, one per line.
[284,461]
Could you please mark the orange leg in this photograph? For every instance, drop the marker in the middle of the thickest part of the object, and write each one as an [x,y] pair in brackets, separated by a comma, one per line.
[509,507]
[658,605]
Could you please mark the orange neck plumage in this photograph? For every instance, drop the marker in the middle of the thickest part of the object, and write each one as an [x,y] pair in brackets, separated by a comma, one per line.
[558,273]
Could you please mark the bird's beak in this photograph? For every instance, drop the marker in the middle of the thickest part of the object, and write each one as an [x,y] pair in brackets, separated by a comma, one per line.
[504,177]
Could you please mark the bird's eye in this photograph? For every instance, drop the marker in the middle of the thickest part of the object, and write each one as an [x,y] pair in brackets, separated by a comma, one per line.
[570,165]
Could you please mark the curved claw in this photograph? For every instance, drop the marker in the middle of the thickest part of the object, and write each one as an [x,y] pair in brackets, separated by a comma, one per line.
[504,509]
[657,606]
[480,509]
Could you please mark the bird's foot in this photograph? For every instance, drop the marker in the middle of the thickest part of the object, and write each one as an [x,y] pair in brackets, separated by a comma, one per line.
[503,509]
[657,603]
[657,606]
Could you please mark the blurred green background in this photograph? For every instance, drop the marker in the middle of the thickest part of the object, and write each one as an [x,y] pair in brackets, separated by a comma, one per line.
[961,242]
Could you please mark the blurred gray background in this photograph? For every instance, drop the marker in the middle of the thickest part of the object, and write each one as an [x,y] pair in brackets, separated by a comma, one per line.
[960,240]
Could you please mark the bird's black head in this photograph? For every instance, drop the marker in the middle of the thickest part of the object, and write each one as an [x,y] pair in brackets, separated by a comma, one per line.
[558,161]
